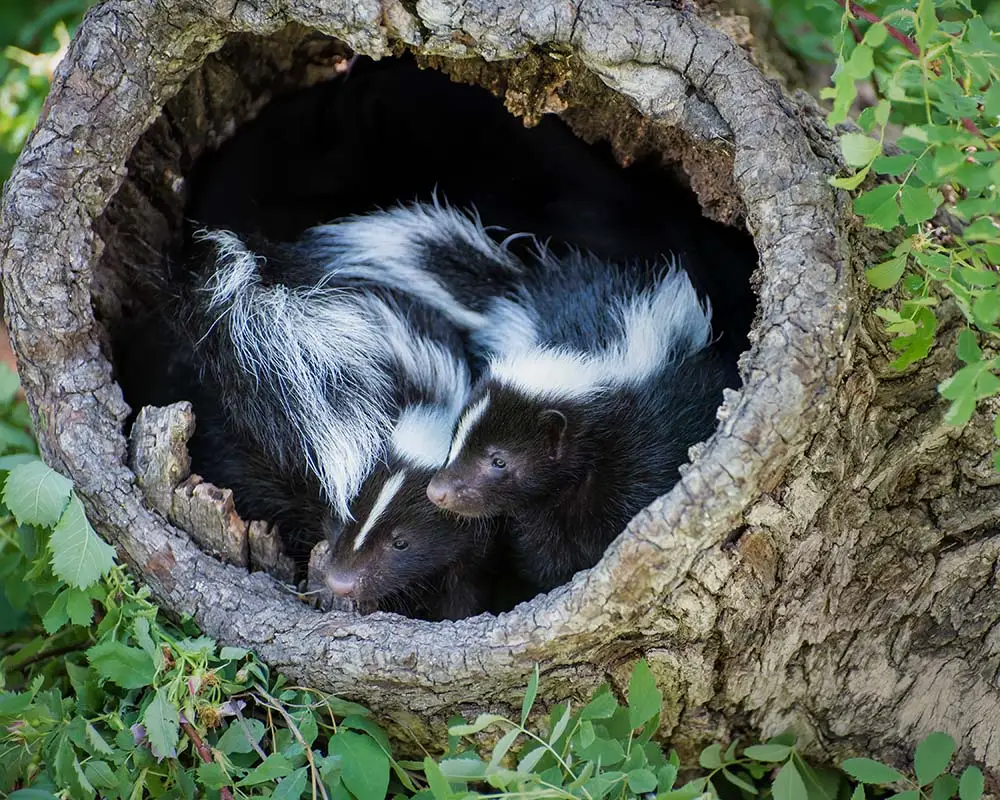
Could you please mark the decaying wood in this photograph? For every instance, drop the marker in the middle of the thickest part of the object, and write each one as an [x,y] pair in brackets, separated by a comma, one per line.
[828,561]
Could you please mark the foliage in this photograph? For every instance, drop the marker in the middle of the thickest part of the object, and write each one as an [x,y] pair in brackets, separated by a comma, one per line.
[932,134]
[33,38]
[102,696]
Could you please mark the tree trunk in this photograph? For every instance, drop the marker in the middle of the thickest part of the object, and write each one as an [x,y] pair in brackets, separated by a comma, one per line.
[828,560]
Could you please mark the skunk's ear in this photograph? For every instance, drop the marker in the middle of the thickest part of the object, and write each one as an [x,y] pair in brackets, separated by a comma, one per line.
[554,426]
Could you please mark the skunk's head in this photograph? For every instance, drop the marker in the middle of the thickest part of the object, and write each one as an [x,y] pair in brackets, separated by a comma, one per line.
[508,450]
[397,542]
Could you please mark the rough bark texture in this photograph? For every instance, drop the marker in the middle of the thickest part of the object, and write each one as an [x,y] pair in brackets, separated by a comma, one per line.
[829,559]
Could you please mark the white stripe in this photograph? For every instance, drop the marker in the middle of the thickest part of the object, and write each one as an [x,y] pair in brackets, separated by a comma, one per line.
[389,490]
[423,434]
[469,419]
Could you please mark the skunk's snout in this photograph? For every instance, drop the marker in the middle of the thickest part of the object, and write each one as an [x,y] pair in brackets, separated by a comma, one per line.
[440,492]
[342,584]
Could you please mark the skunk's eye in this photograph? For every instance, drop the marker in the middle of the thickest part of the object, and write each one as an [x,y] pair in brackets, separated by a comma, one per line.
[400,544]
[498,462]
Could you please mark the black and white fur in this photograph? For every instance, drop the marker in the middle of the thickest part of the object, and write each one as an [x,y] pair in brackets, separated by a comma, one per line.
[604,377]
[312,342]
[401,553]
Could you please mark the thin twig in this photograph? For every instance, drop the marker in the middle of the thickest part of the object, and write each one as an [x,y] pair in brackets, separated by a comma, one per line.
[205,752]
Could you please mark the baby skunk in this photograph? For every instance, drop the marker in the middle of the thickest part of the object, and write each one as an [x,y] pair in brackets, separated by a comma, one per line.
[603,379]
[400,552]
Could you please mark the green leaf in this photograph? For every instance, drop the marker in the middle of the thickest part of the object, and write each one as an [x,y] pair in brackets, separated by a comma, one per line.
[860,65]
[241,736]
[529,696]
[80,607]
[850,182]
[58,614]
[868,771]
[919,203]
[969,352]
[945,787]
[879,206]
[859,792]
[36,494]
[291,786]
[100,774]
[162,724]
[665,777]
[271,768]
[768,752]
[129,667]
[97,741]
[366,767]
[482,722]
[893,165]
[859,150]
[79,556]
[31,794]
[788,784]
[737,781]
[887,274]
[530,760]
[602,706]
[608,751]
[927,23]
[436,780]
[971,784]
[212,776]
[644,699]
[991,101]
[9,384]
[711,756]
[986,308]
[232,653]
[909,794]
[641,781]
[876,35]
[463,769]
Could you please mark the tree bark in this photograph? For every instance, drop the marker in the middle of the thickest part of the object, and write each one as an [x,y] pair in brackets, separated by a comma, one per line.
[828,561]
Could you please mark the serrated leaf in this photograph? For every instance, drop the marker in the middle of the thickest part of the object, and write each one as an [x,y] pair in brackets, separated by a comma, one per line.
[918,203]
[435,780]
[79,556]
[644,699]
[641,781]
[971,784]
[529,696]
[129,667]
[788,784]
[768,752]
[57,615]
[80,607]
[737,781]
[868,771]
[711,756]
[291,786]
[887,274]
[482,722]
[36,494]
[365,765]
[162,724]
[859,150]
[893,165]
[97,741]
[665,777]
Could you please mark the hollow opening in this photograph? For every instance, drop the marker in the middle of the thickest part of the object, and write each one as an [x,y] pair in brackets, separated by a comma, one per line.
[273,136]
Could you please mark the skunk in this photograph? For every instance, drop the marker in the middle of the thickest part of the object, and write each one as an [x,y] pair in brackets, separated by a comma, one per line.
[400,552]
[606,375]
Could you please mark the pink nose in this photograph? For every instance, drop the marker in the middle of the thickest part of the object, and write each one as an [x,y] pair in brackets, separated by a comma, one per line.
[438,493]
[342,584]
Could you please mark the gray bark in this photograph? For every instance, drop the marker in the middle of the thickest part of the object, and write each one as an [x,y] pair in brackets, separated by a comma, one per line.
[828,561]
